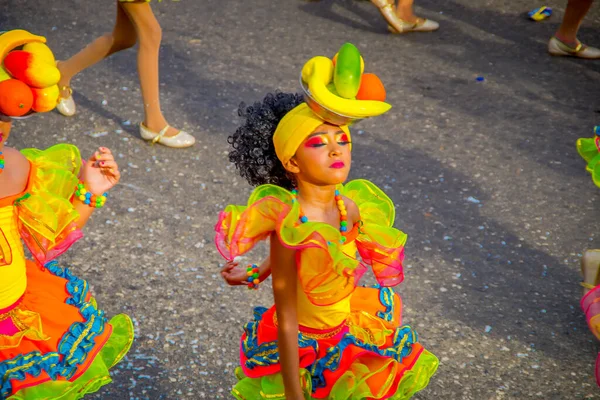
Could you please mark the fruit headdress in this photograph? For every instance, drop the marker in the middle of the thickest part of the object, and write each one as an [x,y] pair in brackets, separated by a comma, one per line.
[28,74]
[336,91]
[339,91]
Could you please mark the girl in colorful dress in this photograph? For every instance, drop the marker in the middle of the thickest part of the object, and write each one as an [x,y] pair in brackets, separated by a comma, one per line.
[325,338]
[54,341]
[589,149]
[134,22]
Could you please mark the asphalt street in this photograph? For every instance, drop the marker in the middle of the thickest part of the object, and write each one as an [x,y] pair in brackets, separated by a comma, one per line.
[487,182]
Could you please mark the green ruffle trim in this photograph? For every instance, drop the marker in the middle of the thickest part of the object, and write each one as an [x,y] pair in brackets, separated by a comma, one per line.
[589,152]
[351,385]
[97,374]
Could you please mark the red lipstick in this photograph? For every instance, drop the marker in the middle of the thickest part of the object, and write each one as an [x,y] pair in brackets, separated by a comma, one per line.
[337,165]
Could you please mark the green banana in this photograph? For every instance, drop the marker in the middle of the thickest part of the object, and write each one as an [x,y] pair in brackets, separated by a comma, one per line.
[347,71]
[3,74]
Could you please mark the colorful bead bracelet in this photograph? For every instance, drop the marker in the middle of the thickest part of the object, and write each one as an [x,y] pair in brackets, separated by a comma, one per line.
[88,198]
[253,276]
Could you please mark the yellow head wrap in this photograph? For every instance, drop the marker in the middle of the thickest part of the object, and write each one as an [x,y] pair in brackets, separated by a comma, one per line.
[294,128]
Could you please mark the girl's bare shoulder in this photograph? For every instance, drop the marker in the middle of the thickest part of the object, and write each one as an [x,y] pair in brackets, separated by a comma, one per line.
[16,172]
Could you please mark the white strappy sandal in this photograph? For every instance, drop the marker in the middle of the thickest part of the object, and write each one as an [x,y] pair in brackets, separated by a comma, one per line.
[181,140]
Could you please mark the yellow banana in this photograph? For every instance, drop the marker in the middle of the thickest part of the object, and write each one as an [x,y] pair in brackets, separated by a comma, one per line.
[319,68]
[12,39]
[318,72]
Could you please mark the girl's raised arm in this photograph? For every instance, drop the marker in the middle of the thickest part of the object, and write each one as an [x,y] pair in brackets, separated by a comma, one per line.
[283,269]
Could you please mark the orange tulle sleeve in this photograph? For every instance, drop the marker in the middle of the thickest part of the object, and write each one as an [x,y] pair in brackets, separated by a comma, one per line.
[379,244]
[327,274]
[46,216]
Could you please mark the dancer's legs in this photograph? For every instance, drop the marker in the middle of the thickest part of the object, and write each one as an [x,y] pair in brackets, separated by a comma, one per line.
[404,11]
[574,14]
[149,34]
[122,37]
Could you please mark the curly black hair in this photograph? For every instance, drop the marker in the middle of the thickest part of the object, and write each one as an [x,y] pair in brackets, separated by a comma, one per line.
[253,150]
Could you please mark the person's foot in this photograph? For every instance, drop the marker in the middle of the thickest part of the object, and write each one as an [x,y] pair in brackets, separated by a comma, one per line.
[415,25]
[590,269]
[157,127]
[179,140]
[556,47]
[66,104]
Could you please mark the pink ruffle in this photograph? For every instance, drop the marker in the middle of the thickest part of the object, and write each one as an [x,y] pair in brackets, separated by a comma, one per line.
[44,252]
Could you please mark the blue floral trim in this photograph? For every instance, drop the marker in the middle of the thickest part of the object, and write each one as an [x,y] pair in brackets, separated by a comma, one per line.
[401,347]
[267,353]
[386,296]
[74,346]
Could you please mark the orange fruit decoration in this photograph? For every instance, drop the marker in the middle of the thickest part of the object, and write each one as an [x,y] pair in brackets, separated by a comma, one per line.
[45,100]
[16,98]
[371,88]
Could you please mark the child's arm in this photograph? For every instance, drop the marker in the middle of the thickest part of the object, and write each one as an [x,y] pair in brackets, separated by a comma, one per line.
[99,174]
[235,275]
[284,291]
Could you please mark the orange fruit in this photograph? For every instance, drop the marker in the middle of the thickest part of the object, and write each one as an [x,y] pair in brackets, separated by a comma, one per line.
[16,98]
[371,88]
[45,100]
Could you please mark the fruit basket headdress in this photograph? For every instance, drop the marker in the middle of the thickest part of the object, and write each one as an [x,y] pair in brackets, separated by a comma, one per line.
[339,91]
[28,75]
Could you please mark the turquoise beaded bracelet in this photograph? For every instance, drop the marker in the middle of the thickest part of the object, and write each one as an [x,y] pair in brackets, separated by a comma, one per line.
[88,198]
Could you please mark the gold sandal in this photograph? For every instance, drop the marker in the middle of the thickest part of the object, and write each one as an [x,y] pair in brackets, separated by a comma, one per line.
[422,25]
[590,270]
[66,106]
[386,8]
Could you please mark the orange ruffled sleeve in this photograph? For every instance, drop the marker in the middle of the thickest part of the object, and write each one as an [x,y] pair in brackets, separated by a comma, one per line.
[327,275]
[379,244]
[46,216]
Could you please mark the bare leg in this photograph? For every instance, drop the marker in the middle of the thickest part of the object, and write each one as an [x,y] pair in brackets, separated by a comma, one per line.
[404,11]
[122,37]
[574,14]
[149,34]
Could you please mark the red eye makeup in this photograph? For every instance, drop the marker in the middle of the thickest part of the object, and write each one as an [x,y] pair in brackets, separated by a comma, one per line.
[316,141]
[343,139]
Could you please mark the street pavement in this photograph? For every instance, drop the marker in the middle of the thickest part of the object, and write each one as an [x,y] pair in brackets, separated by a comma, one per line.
[487,182]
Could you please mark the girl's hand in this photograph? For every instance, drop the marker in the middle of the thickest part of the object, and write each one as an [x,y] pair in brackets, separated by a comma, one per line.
[234,275]
[101,172]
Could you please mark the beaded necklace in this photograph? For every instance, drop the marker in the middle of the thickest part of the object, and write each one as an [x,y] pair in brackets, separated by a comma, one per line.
[341,206]
[1,162]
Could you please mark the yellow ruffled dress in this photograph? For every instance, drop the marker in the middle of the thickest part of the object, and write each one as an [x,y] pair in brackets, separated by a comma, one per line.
[54,341]
[589,150]
[352,344]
